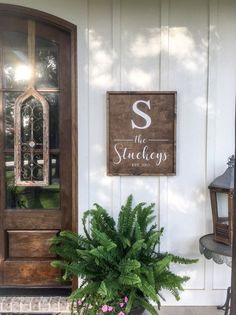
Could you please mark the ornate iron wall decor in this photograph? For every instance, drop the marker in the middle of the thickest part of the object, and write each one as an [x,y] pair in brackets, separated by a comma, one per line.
[31,139]
[31,124]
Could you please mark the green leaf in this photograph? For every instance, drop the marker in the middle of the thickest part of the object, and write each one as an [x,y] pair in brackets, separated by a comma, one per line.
[154,239]
[125,241]
[84,221]
[82,292]
[131,280]
[98,252]
[126,266]
[136,248]
[103,239]
[149,291]
[149,273]
[132,297]
[182,260]
[162,264]
[102,290]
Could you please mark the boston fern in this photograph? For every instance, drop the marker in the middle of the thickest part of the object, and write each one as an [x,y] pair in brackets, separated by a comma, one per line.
[119,266]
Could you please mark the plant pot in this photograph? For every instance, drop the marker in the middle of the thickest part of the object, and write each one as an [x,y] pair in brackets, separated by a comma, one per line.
[137,311]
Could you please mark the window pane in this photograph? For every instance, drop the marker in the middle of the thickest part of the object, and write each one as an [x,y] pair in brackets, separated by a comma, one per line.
[9,101]
[53,101]
[33,197]
[16,71]
[46,63]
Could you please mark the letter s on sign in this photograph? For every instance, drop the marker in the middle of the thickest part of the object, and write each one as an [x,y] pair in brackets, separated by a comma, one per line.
[142,114]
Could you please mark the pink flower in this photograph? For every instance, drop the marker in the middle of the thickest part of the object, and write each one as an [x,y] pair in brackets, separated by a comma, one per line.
[90,306]
[79,302]
[126,299]
[110,308]
[122,305]
[121,313]
[105,308]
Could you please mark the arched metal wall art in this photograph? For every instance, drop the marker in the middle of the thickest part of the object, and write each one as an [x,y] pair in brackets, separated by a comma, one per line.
[31,124]
[31,139]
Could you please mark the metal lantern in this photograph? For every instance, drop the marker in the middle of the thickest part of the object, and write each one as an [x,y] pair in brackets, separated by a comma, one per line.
[222,204]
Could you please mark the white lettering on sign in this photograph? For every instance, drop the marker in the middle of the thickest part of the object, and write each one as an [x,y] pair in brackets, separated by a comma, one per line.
[124,153]
[145,116]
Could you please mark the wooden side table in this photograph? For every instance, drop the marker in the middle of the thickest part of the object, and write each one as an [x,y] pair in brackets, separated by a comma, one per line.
[221,254]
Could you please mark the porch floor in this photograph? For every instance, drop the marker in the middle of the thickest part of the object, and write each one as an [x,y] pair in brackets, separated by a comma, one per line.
[190,310]
[35,304]
[59,305]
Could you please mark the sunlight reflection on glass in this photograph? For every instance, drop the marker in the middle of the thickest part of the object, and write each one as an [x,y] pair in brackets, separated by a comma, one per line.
[22,73]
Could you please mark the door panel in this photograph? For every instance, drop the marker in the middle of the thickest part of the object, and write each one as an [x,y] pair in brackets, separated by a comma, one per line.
[32,244]
[29,273]
[31,216]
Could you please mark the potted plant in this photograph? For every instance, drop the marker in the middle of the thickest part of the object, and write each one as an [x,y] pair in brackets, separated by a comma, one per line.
[119,265]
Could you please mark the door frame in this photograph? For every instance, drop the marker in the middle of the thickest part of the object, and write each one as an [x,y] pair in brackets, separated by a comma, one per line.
[43,17]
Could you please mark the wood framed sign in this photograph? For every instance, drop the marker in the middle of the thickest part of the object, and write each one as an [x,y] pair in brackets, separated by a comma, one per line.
[141,133]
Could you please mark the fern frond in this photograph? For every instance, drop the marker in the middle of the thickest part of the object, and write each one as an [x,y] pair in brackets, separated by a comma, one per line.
[128,279]
[128,265]
[182,260]
[103,239]
[148,290]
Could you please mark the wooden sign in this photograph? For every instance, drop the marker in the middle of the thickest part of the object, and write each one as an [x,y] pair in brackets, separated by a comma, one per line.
[141,133]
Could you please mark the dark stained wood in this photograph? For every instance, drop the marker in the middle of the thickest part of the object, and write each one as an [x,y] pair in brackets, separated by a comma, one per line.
[2,187]
[25,231]
[141,133]
[30,244]
[31,273]
[74,125]
[28,13]
[32,219]
[65,141]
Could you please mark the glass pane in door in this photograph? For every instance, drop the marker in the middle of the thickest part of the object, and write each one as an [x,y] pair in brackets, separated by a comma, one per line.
[20,197]
[16,70]
[46,63]
[9,99]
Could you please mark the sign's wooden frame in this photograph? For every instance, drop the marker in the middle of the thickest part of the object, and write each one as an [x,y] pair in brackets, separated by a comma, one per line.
[122,119]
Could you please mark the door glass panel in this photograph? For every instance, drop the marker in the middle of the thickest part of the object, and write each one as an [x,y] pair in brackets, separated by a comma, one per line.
[33,197]
[9,99]
[53,101]
[16,71]
[46,63]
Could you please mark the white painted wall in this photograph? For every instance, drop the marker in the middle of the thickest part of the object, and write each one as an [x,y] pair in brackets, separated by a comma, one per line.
[183,45]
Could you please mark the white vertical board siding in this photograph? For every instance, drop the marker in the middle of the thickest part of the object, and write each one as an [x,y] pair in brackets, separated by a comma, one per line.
[116,45]
[188,62]
[188,58]
[100,80]
[140,58]
[183,45]
[226,64]
[83,95]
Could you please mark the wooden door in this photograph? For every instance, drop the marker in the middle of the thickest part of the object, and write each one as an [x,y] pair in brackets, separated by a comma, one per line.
[34,54]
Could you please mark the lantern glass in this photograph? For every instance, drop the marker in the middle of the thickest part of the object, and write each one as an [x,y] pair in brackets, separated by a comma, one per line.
[222,205]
